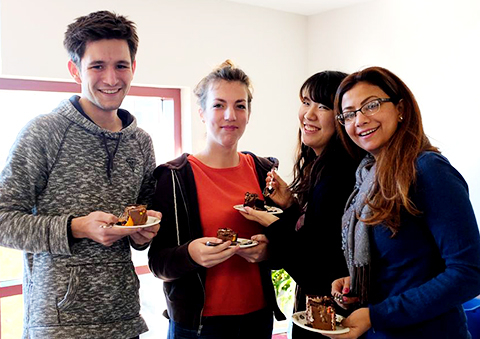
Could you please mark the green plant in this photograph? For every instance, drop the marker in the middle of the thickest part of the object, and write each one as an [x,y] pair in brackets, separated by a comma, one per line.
[284,289]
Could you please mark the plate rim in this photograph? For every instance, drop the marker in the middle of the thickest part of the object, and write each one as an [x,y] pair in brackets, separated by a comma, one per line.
[150,222]
[253,244]
[337,331]
[278,210]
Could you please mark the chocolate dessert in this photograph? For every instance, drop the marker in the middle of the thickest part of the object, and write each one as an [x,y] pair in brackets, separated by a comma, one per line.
[133,215]
[227,234]
[252,200]
[320,312]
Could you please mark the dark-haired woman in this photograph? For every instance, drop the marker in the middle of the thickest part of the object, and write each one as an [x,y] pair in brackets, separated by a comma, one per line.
[306,241]
[409,231]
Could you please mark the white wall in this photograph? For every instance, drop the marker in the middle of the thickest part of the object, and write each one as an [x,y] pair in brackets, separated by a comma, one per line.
[430,44]
[433,46]
[180,42]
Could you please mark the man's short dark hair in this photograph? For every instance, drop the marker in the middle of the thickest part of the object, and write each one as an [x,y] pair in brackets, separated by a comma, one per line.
[97,26]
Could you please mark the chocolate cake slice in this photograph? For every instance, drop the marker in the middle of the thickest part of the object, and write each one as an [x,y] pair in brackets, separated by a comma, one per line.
[227,234]
[133,215]
[320,312]
[252,200]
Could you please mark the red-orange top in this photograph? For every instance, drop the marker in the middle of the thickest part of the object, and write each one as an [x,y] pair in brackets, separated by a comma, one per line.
[234,286]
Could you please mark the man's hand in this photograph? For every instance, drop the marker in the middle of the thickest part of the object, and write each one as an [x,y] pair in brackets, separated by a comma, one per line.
[92,227]
[146,234]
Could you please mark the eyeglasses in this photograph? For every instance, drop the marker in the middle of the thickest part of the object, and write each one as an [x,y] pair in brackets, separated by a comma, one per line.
[368,109]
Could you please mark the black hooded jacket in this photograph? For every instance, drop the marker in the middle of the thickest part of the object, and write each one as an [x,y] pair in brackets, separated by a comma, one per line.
[169,260]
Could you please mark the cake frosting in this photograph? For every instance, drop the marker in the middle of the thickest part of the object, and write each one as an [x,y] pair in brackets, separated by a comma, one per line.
[320,312]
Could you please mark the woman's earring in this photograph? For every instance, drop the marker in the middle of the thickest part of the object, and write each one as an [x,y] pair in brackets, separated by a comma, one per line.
[400,118]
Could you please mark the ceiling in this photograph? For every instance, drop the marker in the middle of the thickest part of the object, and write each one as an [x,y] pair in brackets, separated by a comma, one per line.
[304,7]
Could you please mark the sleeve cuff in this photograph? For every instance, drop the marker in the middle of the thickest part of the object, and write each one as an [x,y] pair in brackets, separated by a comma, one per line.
[71,239]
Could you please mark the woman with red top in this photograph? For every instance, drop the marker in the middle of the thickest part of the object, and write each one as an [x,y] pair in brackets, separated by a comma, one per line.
[221,291]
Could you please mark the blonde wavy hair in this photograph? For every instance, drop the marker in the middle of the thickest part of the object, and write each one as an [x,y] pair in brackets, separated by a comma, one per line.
[225,71]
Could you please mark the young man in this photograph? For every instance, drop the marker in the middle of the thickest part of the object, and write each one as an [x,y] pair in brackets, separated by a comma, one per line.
[70,173]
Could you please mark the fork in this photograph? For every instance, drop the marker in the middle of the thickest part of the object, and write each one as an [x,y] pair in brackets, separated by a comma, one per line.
[269,188]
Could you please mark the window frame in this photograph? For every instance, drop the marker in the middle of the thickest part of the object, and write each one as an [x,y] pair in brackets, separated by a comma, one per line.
[72,87]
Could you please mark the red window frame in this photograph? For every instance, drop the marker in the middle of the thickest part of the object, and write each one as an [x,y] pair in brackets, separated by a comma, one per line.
[14,287]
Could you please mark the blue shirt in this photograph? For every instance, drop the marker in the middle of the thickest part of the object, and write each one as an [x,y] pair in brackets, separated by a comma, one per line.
[422,276]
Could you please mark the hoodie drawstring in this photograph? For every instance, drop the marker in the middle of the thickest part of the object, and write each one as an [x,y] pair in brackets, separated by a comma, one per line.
[110,156]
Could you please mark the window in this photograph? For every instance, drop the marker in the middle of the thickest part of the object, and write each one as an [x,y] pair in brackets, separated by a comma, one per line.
[157,111]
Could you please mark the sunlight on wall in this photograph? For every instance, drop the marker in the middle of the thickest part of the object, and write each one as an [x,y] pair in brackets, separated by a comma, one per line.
[434,52]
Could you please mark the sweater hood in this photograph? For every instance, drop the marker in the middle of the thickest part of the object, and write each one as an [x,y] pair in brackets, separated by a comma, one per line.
[68,110]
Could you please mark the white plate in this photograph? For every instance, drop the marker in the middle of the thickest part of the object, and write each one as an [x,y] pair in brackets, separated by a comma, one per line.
[150,222]
[300,319]
[245,243]
[270,209]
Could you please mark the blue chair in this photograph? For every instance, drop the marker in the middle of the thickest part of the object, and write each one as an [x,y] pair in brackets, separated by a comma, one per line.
[472,310]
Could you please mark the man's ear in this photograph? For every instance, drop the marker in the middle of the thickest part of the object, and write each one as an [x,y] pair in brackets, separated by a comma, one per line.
[134,66]
[74,72]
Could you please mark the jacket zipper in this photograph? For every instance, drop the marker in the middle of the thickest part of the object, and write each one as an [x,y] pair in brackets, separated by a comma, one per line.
[200,326]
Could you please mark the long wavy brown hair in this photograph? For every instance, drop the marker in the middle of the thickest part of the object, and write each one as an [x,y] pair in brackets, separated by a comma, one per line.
[395,164]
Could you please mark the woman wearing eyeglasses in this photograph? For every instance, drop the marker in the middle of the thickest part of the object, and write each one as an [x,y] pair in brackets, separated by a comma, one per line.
[409,232]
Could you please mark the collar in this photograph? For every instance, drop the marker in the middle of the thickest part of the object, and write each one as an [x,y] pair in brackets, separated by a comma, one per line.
[126,117]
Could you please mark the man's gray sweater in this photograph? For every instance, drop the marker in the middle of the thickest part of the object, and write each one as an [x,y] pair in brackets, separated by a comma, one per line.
[64,165]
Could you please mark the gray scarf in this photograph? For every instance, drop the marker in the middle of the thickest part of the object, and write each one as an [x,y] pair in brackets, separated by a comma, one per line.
[355,234]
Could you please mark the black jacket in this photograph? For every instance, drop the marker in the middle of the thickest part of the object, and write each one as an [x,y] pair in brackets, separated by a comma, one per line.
[169,260]
[313,255]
